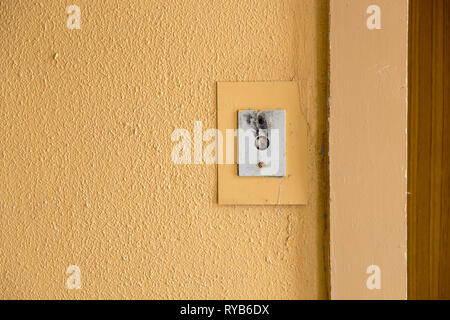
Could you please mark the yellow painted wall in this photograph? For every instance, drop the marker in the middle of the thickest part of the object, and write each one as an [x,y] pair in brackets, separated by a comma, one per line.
[86,176]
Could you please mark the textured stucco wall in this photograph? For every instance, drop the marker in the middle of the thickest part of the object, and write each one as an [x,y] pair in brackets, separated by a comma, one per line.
[86,176]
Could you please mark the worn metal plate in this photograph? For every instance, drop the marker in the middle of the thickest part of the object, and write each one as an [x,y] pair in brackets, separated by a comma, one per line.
[262,143]
[292,189]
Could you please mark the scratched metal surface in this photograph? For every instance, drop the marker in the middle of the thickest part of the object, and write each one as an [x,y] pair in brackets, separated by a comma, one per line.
[265,161]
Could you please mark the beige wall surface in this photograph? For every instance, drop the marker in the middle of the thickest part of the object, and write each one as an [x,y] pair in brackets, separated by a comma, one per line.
[86,176]
[368,149]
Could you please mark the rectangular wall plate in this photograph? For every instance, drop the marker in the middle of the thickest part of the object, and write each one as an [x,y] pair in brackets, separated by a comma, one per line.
[262,143]
[292,187]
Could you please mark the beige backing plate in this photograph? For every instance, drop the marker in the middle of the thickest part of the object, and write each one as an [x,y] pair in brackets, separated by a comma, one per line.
[289,190]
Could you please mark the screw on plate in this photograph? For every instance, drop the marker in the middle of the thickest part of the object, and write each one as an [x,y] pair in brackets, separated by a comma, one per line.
[262,143]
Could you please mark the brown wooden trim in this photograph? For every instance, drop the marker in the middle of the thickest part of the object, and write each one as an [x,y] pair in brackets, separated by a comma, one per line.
[444,266]
[429,159]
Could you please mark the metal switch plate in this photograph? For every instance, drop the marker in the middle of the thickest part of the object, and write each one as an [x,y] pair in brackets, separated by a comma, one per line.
[292,189]
[262,143]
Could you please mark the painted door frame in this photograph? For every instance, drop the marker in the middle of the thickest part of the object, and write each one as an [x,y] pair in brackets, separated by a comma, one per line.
[368,149]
